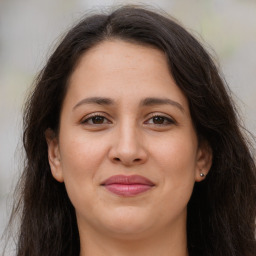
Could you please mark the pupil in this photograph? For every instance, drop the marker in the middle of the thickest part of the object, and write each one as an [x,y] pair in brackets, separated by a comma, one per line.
[98,119]
[158,119]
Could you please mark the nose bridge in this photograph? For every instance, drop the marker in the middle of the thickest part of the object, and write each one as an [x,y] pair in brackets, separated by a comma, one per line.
[128,147]
[128,137]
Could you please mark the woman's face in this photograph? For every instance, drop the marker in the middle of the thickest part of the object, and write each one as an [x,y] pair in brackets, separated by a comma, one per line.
[123,115]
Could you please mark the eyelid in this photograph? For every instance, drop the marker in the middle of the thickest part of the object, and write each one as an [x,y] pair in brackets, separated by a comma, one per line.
[170,119]
[94,114]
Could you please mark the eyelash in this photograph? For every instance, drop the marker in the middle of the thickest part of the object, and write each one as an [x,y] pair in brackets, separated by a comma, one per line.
[94,115]
[167,120]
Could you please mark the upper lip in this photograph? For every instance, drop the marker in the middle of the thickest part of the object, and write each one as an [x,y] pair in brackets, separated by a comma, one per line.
[127,180]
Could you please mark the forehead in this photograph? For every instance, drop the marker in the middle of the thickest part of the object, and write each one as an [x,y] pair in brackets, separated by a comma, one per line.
[120,69]
[112,56]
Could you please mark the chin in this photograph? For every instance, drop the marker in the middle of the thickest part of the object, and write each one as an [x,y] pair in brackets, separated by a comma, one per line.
[127,221]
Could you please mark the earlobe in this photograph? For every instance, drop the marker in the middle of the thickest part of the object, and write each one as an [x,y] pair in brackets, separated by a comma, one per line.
[204,161]
[54,155]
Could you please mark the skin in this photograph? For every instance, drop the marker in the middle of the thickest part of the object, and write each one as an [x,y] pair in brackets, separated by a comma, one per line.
[127,140]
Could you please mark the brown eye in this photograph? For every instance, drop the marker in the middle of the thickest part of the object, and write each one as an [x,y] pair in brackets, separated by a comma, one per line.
[158,120]
[97,119]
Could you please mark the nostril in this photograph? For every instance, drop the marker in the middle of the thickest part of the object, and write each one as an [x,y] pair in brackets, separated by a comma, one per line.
[117,159]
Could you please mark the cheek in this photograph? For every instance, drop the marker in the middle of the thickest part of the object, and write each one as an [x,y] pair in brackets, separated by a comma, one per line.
[80,159]
[177,153]
[80,152]
[176,160]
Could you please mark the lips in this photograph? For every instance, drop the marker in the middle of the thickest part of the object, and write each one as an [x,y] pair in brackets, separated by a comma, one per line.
[128,185]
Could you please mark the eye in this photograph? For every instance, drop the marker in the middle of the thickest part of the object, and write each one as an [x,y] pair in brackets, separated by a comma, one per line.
[160,120]
[95,119]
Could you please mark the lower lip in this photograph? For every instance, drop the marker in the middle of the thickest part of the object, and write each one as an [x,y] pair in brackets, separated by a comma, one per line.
[128,189]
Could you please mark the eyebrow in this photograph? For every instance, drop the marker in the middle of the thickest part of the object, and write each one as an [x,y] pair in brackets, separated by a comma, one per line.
[152,101]
[161,101]
[95,100]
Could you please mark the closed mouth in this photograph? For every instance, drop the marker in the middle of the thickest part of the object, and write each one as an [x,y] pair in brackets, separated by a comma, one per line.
[127,185]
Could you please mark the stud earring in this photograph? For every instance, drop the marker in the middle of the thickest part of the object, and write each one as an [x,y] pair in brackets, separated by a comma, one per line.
[202,174]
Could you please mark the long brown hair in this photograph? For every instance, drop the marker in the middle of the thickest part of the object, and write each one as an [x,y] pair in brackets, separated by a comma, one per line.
[222,209]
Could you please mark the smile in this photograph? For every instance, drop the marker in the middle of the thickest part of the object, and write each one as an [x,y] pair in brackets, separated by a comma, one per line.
[128,185]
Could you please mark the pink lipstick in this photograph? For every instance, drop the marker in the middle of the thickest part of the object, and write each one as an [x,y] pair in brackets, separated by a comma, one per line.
[127,185]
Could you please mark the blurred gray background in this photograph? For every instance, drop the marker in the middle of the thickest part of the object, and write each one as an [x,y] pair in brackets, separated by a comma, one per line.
[30,29]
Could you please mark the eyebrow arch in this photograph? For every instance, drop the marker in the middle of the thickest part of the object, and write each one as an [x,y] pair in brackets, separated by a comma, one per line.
[161,101]
[94,100]
[145,102]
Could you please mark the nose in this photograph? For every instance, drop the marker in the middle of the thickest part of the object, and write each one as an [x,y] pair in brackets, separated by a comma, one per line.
[128,147]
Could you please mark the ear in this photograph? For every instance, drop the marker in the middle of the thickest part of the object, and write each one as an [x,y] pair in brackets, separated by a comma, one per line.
[204,160]
[54,154]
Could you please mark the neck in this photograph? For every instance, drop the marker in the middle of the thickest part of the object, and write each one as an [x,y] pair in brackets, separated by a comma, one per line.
[171,242]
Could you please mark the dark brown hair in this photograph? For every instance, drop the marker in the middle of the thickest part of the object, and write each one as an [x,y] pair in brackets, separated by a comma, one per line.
[222,209]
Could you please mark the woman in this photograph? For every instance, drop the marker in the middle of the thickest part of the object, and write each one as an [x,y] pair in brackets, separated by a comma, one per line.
[133,147]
